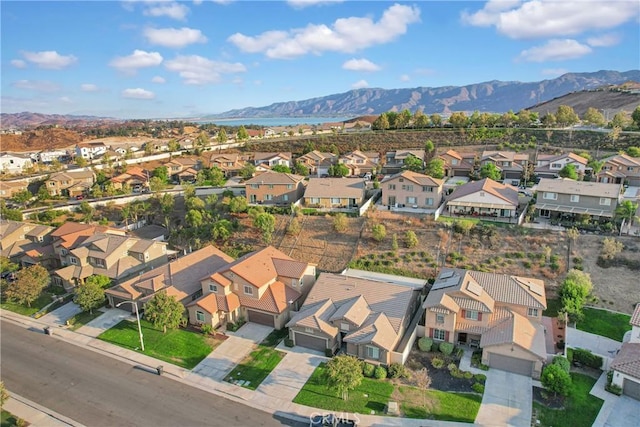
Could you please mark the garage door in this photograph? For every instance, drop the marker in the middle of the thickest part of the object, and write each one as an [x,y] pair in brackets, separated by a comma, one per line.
[261,318]
[511,364]
[314,343]
[631,389]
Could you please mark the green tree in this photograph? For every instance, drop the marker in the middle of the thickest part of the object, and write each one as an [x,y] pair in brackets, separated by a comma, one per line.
[420,120]
[610,248]
[4,394]
[202,140]
[435,168]
[569,171]
[238,204]
[379,232]
[301,169]
[162,173]
[458,119]
[156,184]
[80,161]
[281,169]
[524,118]
[344,373]
[620,120]
[413,163]
[340,222]
[549,120]
[410,239]
[429,147]
[222,229]
[573,293]
[381,123]
[566,116]
[491,171]
[626,211]
[173,145]
[222,136]
[635,116]
[194,218]
[294,227]
[90,294]
[242,134]
[247,170]
[266,223]
[164,311]
[633,151]
[215,176]
[594,117]
[436,120]
[28,286]
[22,197]
[508,119]
[338,170]
[555,379]
[195,203]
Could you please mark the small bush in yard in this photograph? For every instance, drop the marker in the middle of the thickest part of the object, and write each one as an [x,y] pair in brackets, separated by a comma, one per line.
[206,329]
[481,378]
[587,358]
[288,342]
[396,370]
[452,367]
[380,373]
[446,348]
[368,369]
[437,363]
[478,388]
[425,343]
[562,362]
[328,352]
[468,375]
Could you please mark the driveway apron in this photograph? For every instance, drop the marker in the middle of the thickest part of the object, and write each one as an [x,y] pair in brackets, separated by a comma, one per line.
[507,400]
[59,316]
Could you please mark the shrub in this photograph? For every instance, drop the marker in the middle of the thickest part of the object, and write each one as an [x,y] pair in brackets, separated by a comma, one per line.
[457,373]
[481,378]
[446,348]
[368,369]
[425,343]
[452,367]
[328,352]
[380,372]
[556,380]
[478,388]
[587,358]
[435,346]
[468,375]
[613,388]
[206,329]
[288,342]
[483,367]
[397,370]
[437,363]
[562,362]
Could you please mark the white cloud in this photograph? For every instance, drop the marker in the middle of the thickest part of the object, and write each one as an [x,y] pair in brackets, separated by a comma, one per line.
[138,93]
[197,2]
[36,85]
[551,18]
[605,40]
[89,87]
[555,50]
[554,72]
[65,100]
[18,63]
[345,35]
[237,81]
[174,37]
[361,64]
[197,70]
[138,59]
[405,78]
[360,84]
[170,9]
[158,79]
[299,4]
[49,59]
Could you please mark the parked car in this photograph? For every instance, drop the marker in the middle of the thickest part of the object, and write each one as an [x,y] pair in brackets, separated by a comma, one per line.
[80,197]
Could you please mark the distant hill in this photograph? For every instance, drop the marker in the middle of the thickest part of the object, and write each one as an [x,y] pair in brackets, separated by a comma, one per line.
[608,100]
[494,96]
[28,120]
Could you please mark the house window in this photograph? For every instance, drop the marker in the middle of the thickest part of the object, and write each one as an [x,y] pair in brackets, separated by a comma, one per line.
[255,186]
[335,200]
[412,200]
[308,330]
[533,312]
[141,257]
[629,168]
[248,290]
[73,260]
[315,200]
[482,194]
[99,262]
[344,326]
[439,318]
[605,201]
[64,252]
[438,334]
[213,288]
[289,186]
[270,186]
[550,196]
[408,187]
[392,186]
[268,196]
[471,314]
[373,352]
[427,189]
[575,198]
[454,161]
[556,165]
[429,202]
[199,316]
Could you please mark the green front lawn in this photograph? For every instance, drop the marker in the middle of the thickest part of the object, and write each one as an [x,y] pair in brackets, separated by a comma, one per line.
[255,367]
[81,319]
[370,395]
[8,420]
[439,405]
[36,306]
[274,338]
[580,408]
[180,347]
[604,323]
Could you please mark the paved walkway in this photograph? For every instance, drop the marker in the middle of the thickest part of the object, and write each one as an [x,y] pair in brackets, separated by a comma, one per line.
[110,318]
[231,352]
[465,363]
[59,316]
[37,415]
[507,400]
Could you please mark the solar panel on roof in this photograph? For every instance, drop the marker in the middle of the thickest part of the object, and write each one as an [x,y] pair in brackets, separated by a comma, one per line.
[536,288]
[474,288]
[446,274]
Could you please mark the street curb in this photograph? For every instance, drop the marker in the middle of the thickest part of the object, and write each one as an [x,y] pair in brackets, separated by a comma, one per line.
[30,411]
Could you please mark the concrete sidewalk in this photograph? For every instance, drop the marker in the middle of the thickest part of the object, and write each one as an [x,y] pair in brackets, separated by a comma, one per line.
[37,415]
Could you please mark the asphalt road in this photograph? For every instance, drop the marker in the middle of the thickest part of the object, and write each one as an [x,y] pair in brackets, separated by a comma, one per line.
[96,390]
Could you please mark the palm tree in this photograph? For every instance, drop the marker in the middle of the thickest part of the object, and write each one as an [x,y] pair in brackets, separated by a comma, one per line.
[627,212]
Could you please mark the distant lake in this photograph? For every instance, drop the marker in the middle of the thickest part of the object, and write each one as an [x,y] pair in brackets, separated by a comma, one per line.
[276,121]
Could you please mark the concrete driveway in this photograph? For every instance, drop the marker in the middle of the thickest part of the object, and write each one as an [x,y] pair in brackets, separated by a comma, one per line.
[59,316]
[507,400]
[110,318]
[624,413]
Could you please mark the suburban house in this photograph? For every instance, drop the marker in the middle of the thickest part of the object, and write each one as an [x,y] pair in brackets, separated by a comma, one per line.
[48,156]
[620,169]
[25,243]
[14,163]
[411,189]
[499,313]
[512,165]
[71,235]
[117,257]
[317,162]
[626,365]
[549,165]
[274,188]
[90,150]
[330,193]
[230,164]
[70,183]
[135,177]
[394,160]
[9,188]
[183,168]
[484,198]
[458,164]
[357,126]
[254,133]
[180,278]
[360,162]
[272,159]
[365,316]
[261,287]
[567,198]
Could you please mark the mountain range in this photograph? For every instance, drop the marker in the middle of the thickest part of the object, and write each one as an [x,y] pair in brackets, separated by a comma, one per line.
[494,96]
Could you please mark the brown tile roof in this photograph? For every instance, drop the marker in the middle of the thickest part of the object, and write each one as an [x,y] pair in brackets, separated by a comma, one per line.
[376,330]
[316,316]
[275,298]
[627,361]
[209,303]
[257,268]
[504,155]
[504,192]
[418,178]
[275,178]
[289,267]
[623,159]
[635,317]
[75,175]
[518,330]
[356,311]
[581,188]
[267,156]
[335,187]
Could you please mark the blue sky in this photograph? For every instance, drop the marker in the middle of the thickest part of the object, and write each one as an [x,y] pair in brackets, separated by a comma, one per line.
[142,59]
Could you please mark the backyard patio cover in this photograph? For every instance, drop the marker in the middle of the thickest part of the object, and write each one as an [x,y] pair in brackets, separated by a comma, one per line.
[574,210]
[481,205]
